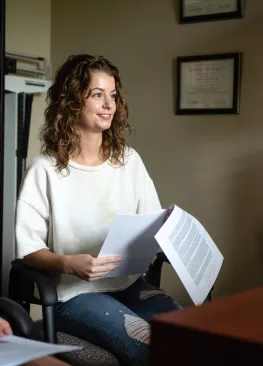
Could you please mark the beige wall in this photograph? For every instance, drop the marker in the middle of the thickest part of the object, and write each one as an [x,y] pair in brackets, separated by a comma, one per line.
[28,28]
[209,165]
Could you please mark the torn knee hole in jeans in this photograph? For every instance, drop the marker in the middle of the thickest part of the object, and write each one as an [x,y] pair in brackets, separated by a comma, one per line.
[137,328]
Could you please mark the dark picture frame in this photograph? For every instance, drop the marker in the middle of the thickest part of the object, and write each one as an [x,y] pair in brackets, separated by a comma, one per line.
[208,84]
[204,16]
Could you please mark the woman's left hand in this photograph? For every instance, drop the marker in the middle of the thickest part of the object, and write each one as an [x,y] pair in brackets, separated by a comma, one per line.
[5,328]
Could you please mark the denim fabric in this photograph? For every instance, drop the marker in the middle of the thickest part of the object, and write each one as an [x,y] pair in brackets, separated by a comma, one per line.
[116,321]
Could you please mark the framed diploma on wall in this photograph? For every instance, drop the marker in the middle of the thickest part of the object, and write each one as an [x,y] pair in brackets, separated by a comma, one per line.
[191,11]
[208,84]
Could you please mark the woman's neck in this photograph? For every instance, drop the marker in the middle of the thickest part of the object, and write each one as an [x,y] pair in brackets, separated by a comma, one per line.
[90,153]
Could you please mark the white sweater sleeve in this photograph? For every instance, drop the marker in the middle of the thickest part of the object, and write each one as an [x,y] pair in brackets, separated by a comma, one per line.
[148,201]
[32,212]
[31,230]
[148,197]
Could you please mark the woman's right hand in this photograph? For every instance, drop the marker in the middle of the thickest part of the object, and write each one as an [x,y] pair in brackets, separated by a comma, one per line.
[90,268]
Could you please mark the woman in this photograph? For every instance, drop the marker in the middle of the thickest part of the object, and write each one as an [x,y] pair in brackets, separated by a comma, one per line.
[69,196]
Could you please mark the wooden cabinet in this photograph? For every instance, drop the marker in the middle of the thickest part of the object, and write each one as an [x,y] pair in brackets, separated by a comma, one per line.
[226,329]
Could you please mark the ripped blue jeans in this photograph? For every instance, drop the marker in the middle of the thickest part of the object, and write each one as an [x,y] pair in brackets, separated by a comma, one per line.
[116,321]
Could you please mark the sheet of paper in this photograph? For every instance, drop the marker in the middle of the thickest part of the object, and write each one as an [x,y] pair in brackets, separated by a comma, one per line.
[132,237]
[192,253]
[16,350]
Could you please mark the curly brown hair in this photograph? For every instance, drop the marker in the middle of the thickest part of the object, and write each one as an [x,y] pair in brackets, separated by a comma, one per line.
[60,136]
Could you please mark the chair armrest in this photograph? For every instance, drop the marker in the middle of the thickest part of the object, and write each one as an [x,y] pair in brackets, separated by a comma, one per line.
[162,257]
[45,284]
[153,275]
[18,317]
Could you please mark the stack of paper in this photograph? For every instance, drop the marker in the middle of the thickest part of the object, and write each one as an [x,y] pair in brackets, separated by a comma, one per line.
[188,246]
[16,350]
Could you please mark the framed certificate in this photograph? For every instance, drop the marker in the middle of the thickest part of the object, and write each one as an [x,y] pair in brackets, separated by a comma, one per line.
[191,11]
[208,84]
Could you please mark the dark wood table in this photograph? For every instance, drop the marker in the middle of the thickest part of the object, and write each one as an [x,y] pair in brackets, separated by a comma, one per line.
[226,329]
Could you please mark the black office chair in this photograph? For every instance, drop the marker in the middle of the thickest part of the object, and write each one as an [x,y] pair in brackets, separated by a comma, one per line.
[22,282]
[153,275]
[18,318]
